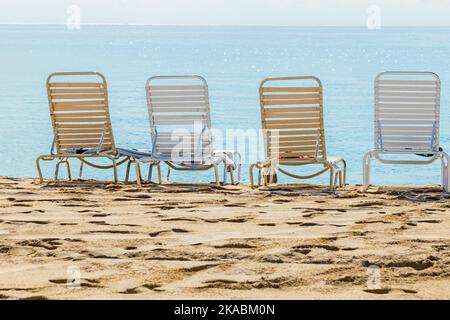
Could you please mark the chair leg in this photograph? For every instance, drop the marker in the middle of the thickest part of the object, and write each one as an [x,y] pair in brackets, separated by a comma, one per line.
[332,177]
[344,178]
[445,172]
[232,175]
[265,177]
[272,174]
[225,169]
[366,170]
[158,169]
[80,172]
[239,166]
[150,172]
[137,166]
[216,174]
[127,174]
[38,166]
[69,176]
[57,169]
[252,166]
[168,173]
[114,165]
[337,177]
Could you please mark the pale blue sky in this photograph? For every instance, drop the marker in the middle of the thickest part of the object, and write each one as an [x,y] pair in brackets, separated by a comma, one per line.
[229,12]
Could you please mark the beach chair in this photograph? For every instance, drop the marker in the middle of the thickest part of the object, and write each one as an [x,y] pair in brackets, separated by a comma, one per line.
[79,112]
[407,121]
[180,124]
[292,122]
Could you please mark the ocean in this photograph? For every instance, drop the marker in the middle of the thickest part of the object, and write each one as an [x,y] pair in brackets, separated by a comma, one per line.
[234,60]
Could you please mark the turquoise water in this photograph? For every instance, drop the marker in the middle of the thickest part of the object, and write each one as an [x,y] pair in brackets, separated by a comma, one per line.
[233,60]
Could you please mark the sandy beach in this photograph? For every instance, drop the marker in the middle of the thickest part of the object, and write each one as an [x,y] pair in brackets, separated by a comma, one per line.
[207,242]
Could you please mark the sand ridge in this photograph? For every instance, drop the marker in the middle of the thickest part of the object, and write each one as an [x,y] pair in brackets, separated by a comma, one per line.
[203,241]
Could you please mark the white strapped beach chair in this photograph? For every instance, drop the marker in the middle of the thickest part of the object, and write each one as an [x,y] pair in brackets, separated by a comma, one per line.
[79,111]
[180,124]
[407,121]
[292,121]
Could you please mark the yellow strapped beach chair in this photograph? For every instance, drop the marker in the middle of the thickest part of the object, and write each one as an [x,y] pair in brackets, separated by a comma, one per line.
[292,121]
[79,112]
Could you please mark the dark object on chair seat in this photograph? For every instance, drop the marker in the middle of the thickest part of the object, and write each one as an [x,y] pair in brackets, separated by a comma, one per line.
[80,151]
[429,154]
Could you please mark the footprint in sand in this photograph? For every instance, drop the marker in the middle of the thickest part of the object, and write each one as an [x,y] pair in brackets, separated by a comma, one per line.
[239,205]
[161,207]
[136,290]
[310,215]
[30,221]
[89,210]
[100,256]
[281,201]
[116,231]
[89,283]
[151,286]
[74,205]
[24,193]
[302,224]
[416,265]
[168,258]
[157,233]
[236,245]
[122,199]
[237,220]
[388,290]
[139,196]
[429,221]
[131,291]
[58,281]
[100,215]
[99,222]
[372,221]
[317,246]
[73,240]
[30,211]
[210,220]
[179,219]
[218,283]
[200,268]
[38,244]
[370,203]
[34,298]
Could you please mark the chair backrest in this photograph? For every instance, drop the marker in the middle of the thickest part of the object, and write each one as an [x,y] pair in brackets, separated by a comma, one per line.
[407,111]
[292,119]
[180,120]
[79,111]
